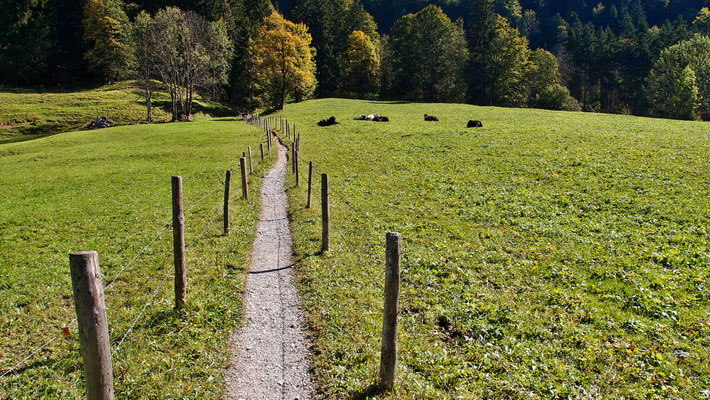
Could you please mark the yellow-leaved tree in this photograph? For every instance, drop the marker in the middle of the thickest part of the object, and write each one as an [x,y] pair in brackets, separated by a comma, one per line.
[362,68]
[283,61]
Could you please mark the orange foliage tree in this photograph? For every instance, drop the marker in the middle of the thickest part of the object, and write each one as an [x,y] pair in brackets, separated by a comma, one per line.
[283,61]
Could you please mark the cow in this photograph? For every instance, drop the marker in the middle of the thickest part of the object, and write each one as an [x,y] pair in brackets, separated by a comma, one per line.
[430,118]
[327,122]
[381,119]
[474,124]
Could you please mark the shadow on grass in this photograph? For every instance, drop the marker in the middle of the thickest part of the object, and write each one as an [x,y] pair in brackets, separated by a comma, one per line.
[368,392]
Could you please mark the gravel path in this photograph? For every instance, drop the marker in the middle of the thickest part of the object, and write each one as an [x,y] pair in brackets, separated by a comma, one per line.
[270,358]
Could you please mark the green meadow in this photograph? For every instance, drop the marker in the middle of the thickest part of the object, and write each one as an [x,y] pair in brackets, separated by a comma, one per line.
[109,190]
[547,255]
[31,113]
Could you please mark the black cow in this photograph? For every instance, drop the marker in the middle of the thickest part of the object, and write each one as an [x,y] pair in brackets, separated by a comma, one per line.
[327,122]
[381,119]
[430,118]
[474,124]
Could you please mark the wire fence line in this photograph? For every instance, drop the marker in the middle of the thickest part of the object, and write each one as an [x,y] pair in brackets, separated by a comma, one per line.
[123,269]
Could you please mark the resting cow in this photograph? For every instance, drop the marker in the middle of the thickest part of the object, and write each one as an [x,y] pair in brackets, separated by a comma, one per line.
[474,124]
[430,118]
[327,122]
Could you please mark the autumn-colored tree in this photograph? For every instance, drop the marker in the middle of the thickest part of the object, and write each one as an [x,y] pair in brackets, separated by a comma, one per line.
[362,69]
[106,32]
[283,61]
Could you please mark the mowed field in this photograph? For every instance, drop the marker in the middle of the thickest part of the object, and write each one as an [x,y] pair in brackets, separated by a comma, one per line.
[110,191]
[546,255]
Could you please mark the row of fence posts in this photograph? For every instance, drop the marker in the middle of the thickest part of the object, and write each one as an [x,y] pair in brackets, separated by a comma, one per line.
[88,289]
[388,356]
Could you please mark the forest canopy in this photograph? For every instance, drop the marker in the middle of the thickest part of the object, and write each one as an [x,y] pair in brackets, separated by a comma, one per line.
[612,56]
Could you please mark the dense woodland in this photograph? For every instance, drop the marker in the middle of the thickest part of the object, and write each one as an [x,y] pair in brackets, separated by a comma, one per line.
[616,56]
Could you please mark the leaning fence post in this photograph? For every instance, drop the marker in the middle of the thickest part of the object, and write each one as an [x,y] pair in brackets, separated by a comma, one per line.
[261,147]
[251,166]
[325,213]
[93,324]
[245,182]
[179,244]
[227,186]
[388,360]
[310,183]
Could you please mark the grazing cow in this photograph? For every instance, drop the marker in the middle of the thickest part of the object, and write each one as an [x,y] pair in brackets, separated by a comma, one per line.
[430,118]
[474,124]
[327,122]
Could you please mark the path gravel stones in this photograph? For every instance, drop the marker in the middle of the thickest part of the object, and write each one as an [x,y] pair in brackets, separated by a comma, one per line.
[270,357]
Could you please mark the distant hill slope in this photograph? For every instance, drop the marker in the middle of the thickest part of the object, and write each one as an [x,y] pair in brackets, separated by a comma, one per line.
[28,113]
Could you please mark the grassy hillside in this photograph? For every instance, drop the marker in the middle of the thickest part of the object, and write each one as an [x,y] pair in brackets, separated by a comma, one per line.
[546,255]
[31,113]
[109,190]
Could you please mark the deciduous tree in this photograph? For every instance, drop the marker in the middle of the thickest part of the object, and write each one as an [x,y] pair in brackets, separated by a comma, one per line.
[362,68]
[283,61]
[107,33]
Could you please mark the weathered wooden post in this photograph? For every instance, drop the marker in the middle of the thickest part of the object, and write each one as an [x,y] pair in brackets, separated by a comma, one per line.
[298,173]
[245,182]
[179,244]
[227,186]
[310,183]
[388,360]
[93,324]
[261,147]
[293,158]
[325,213]
[251,166]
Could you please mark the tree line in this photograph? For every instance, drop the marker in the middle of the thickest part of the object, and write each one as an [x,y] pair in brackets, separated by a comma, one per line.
[619,56]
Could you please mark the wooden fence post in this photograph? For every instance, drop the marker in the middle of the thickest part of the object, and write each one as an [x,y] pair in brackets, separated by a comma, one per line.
[251,166]
[261,147]
[227,187]
[179,244]
[93,324]
[245,182]
[268,142]
[298,173]
[388,360]
[310,183]
[325,213]
[293,158]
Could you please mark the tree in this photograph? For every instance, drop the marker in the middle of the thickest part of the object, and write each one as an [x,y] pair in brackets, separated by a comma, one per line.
[331,22]
[283,61]
[362,69]
[428,57]
[106,31]
[144,46]
[702,21]
[506,66]
[190,53]
[679,83]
